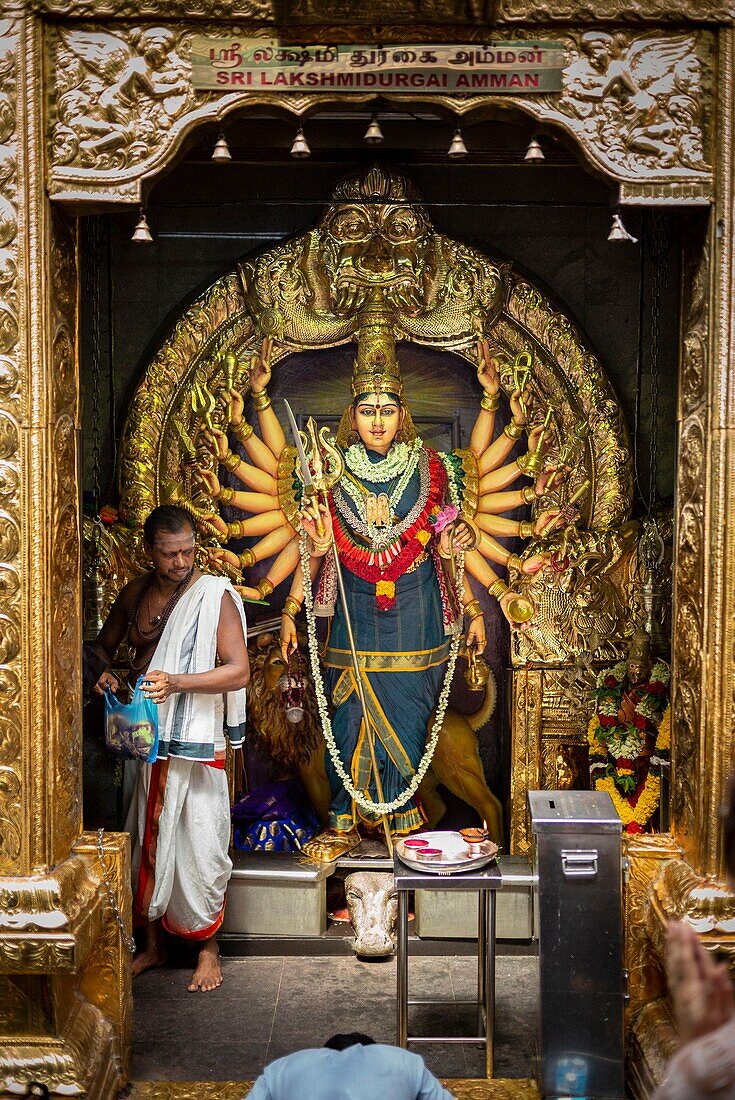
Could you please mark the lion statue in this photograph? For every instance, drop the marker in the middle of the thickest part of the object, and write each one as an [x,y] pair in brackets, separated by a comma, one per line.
[299,748]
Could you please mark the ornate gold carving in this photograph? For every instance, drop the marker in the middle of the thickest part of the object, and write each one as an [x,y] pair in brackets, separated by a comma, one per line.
[687,679]
[105,978]
[116,94]
[66,543]
[497,1089]
[652,1045]
[525,762]
[703,902]
[636,105]
[308,292]
[647,858]
[12,413]
[48,923]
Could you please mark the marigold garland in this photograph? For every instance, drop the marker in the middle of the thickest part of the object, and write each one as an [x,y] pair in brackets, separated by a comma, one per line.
[384,567]
[626,757]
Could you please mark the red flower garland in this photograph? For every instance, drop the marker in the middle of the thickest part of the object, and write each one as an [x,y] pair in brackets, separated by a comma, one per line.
[361,561]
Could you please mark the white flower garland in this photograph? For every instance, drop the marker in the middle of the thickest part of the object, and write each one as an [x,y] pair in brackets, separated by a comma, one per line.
[367,804]
[386,468]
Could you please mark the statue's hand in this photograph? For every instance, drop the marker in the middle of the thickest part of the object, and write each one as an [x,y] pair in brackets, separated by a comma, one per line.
[218,441]
[476,636]
[504,602]
[464,535]
[552,519]
[237,405]
[548,480]
[208,481]
[317,522]
[259,371]
[217,522]
[289,640]
[520,405]
[534,564]
[487,368]
[533,439]
[219,556]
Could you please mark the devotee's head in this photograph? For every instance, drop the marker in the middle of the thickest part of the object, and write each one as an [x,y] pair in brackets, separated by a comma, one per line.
[169,536]
[349,1039]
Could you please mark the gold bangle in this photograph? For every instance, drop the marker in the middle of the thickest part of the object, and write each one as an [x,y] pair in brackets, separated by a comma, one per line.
[231,461]
[242,431]
[513,562]
[490,402]
[287,615]
[261,400]
[526,529]
[472,609]
[291,606]
[514,430]
[522,462]
[247,558]
[528,494]
[498,589]
[324,545]
[265,587]
[225,495]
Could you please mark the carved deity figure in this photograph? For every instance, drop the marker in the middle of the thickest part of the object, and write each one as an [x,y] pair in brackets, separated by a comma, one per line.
[393,535]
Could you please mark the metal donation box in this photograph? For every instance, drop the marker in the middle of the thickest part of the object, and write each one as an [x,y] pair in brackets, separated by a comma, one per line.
[578,871]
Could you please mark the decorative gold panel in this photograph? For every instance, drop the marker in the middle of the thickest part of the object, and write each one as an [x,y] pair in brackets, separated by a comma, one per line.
[121,103]
[13,398]
[236,1090]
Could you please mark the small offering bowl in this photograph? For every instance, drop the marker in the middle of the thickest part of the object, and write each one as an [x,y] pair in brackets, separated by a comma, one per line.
[428,855]
[415,843]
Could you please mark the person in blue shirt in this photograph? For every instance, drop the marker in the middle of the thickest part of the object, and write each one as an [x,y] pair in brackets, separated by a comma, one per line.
[349,1067]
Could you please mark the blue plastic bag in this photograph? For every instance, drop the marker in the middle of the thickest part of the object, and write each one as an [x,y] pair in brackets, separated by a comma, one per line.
[131,729]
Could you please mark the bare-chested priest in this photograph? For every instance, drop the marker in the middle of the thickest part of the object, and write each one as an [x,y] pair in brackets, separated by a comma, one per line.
[188,634]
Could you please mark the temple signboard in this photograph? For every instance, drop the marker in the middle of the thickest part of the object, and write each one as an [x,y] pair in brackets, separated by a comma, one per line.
[513,67]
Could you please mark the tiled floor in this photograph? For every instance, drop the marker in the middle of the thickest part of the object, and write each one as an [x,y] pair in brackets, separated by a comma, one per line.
[268,1007]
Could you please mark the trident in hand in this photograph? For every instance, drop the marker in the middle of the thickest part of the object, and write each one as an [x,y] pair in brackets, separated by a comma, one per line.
[322,468]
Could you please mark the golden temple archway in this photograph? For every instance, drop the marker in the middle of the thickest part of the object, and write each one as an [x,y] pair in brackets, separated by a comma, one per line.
[64,975]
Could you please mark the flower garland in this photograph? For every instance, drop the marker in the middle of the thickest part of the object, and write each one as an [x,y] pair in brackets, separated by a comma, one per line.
[626,756]
[365,803]
[383,568]
[386,469]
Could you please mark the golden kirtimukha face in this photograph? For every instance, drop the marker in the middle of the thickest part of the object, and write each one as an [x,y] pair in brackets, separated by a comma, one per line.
[382,246]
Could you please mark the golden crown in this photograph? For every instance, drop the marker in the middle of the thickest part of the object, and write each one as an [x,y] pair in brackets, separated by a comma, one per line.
[376,368]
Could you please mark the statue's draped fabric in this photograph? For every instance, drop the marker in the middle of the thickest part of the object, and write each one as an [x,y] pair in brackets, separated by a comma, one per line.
[402,651]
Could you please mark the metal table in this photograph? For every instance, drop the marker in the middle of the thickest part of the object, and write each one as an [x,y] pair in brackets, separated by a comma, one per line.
[485,881]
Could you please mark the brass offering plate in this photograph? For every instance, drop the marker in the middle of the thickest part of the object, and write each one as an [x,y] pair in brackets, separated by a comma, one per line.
[456,855]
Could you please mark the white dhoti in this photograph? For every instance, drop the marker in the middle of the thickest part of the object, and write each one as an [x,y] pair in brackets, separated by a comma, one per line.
[179,816]
[179,820]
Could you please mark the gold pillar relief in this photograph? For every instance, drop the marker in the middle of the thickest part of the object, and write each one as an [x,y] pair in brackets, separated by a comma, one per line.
[64,974]
[62,1020]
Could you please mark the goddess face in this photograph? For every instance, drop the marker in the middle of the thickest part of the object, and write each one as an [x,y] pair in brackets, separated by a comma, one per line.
[377,417]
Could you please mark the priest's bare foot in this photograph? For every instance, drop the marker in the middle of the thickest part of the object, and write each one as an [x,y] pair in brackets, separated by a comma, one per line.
[153,951]
[147,959]
[208,974]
